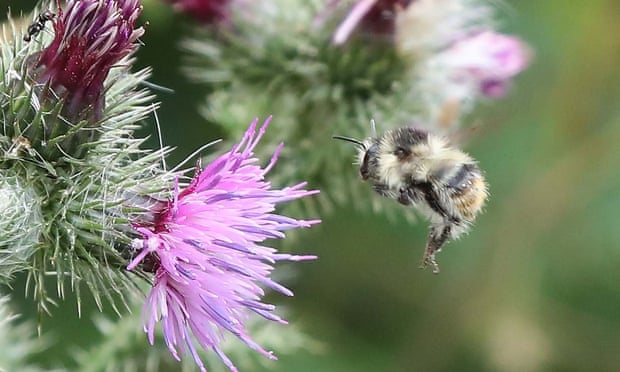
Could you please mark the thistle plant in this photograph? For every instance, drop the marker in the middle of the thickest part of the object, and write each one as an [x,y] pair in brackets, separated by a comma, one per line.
[86,203]
[330,67]
[69,111]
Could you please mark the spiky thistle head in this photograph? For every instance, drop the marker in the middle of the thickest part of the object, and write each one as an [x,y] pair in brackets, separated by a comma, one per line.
[91,36]
[86,181]
[206,252]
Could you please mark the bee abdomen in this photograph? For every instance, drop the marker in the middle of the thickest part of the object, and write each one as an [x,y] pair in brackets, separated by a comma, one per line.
[462,179]
[470,199]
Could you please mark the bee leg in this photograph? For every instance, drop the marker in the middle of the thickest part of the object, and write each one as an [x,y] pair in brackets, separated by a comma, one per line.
[380,188]
[437,237]
[404,197]
[409,195]
[383,190]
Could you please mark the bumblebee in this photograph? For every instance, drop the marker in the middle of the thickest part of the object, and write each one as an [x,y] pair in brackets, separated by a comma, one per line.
[422,170]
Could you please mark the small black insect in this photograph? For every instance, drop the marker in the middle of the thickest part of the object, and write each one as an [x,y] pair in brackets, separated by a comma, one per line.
[38,25]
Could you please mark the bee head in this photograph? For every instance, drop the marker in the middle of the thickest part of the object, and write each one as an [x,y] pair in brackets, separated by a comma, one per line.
[394,151]
[367,154]
[369,162]
[404,143]
[399,154]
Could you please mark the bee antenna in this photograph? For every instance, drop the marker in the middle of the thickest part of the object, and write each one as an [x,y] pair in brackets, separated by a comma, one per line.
[373,126]
[352,140]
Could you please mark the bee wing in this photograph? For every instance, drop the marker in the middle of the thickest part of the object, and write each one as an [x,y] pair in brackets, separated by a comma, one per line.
[448,125]
[461,137]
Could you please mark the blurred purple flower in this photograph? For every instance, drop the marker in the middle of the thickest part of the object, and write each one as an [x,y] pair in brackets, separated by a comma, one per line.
[91,36]
[206,11]
[486,61]
[376,16]
[204,247]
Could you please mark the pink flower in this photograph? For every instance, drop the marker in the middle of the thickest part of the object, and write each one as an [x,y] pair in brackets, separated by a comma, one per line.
[91,36]
[207,254]
[486,61]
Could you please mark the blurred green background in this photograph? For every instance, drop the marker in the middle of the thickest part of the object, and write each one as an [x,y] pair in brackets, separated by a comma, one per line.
[534,287]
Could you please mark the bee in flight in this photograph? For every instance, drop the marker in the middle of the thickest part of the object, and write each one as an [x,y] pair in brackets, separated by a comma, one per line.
[423,170]
[38,25]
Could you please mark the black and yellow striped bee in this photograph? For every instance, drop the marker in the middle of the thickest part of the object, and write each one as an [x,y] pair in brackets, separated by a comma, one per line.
[423,170]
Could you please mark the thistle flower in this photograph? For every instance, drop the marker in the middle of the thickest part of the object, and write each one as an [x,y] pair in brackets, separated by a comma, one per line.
[206,254]
[486,62]
[425,27]
[376,16]
[458,57]
[205,11]
[479,65]
[91,36]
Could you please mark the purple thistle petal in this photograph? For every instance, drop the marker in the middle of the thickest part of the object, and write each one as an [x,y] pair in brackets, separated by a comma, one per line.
[225,359]
[294,258]
[194,243]
[188,274]
[258,231]
[210,265]
[257,305]
[236,246]
[269,315]
[358,12]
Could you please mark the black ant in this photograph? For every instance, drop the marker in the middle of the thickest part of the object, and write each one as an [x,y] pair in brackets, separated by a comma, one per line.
[39,25]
